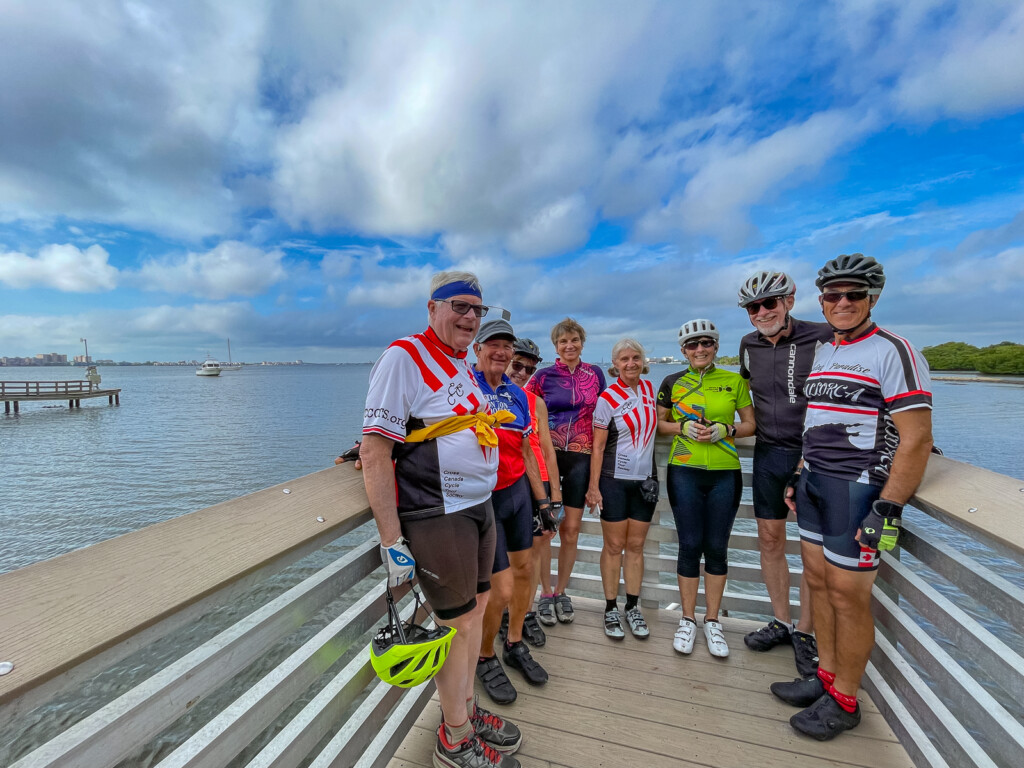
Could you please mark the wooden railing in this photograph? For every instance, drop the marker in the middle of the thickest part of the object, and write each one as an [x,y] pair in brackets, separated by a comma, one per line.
[30,388]
[290,682]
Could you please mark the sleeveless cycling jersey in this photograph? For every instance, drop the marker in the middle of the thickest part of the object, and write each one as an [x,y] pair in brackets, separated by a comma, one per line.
[570,397]
[715,396]
[777,373]
[508,397]
[852,391]
[419,381]
[631,419]
[535,437]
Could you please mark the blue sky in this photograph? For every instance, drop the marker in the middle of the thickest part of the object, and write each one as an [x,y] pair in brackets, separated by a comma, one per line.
[289,174]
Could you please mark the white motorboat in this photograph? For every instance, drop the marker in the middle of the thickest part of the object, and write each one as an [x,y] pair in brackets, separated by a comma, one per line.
[210,367]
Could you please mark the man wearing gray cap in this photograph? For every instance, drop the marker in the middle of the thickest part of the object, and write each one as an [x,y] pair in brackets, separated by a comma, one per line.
[518,484]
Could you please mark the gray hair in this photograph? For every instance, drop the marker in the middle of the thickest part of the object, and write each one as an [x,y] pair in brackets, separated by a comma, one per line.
[444,278]
[624,344]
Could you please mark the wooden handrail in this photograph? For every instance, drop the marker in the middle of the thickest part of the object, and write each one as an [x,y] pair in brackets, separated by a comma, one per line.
[58,613]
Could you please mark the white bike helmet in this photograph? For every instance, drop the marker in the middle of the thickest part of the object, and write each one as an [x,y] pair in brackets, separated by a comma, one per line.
[764,285]
[697,329]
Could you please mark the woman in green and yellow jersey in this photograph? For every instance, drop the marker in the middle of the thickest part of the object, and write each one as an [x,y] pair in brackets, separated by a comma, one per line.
[699,406]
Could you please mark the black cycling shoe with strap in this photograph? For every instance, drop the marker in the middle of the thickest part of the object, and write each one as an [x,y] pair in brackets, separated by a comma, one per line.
[805,652]
[533,633]
[518,657]
[825,719]
[495,681]
[767,637]
[802,692]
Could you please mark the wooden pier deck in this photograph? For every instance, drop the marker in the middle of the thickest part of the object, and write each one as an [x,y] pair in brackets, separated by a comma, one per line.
[639,703]
[16,392]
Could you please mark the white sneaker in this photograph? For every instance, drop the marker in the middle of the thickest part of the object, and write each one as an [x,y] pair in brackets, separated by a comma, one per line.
[716,639]
[685,635]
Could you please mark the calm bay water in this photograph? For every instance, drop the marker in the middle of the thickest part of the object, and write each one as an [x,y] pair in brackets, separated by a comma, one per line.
[179,442]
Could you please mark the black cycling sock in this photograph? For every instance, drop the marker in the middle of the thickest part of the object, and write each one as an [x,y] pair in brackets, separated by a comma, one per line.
[631,601]
[610,604]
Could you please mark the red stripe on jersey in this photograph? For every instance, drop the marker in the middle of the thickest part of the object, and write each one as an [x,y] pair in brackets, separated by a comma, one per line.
[607,397]
[632,427]
[385,433]
[428,376]
[860,411]
[860,338]
[460,409]
[908,394]
[439,357]
[841,375]
[474,402]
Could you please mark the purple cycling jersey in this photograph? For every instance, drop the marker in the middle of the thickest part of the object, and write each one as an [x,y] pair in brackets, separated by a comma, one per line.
[570,397]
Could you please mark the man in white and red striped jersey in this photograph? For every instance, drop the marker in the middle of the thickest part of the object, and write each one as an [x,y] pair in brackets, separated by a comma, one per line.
[867,437]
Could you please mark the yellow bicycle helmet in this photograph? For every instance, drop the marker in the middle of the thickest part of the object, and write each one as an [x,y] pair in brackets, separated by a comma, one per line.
[406,654]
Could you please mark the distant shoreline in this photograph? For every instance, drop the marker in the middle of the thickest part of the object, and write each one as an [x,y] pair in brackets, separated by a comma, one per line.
[986,379]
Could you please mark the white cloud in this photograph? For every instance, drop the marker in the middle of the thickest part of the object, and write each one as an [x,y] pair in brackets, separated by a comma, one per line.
[63,267]
[716,199]
[978,73]
[230,269]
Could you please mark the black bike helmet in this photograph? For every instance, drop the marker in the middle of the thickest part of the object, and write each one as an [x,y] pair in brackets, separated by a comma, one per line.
[853,268]
[528,348]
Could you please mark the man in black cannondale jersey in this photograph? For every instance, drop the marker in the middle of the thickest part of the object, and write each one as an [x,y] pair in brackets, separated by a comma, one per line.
[776,358]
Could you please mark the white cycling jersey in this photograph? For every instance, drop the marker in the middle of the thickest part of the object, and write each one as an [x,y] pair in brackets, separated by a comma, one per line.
[852,391]
[419,381]
[631,419]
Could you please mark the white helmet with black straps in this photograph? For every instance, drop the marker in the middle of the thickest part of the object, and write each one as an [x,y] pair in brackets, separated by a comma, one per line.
[697,329]
[764,285]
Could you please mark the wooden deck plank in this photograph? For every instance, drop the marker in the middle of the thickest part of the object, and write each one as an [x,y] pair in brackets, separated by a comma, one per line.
[60,612]
[640,702]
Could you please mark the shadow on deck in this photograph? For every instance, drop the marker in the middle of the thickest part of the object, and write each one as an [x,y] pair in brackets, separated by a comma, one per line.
[636,702]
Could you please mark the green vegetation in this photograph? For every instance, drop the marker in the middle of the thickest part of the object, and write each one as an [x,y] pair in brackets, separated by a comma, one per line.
[728,360]
[1006,357]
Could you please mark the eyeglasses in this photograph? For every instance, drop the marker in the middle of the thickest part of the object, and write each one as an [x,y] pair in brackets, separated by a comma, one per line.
[462,307]
[517,367]
[834,297]
[692,345]
[770,303]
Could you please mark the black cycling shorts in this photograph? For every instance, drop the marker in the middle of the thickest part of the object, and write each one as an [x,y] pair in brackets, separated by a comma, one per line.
[454,554]
[829,511]
[773,466]
[574,470]
[513,517]
[622,500]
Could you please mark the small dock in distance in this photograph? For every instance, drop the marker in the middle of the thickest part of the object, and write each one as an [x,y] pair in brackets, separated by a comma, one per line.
[15,392]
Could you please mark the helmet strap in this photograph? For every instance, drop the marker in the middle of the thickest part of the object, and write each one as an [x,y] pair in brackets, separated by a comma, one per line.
[852,332]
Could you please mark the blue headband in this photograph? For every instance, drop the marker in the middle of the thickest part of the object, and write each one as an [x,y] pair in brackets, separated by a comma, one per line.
[458,288]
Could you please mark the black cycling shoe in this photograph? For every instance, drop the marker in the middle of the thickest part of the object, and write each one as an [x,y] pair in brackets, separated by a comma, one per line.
[503,629]
[533,633]
[805,651]
[518,657]
[825,719]
[767,637]
[495,681]
[802,692]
